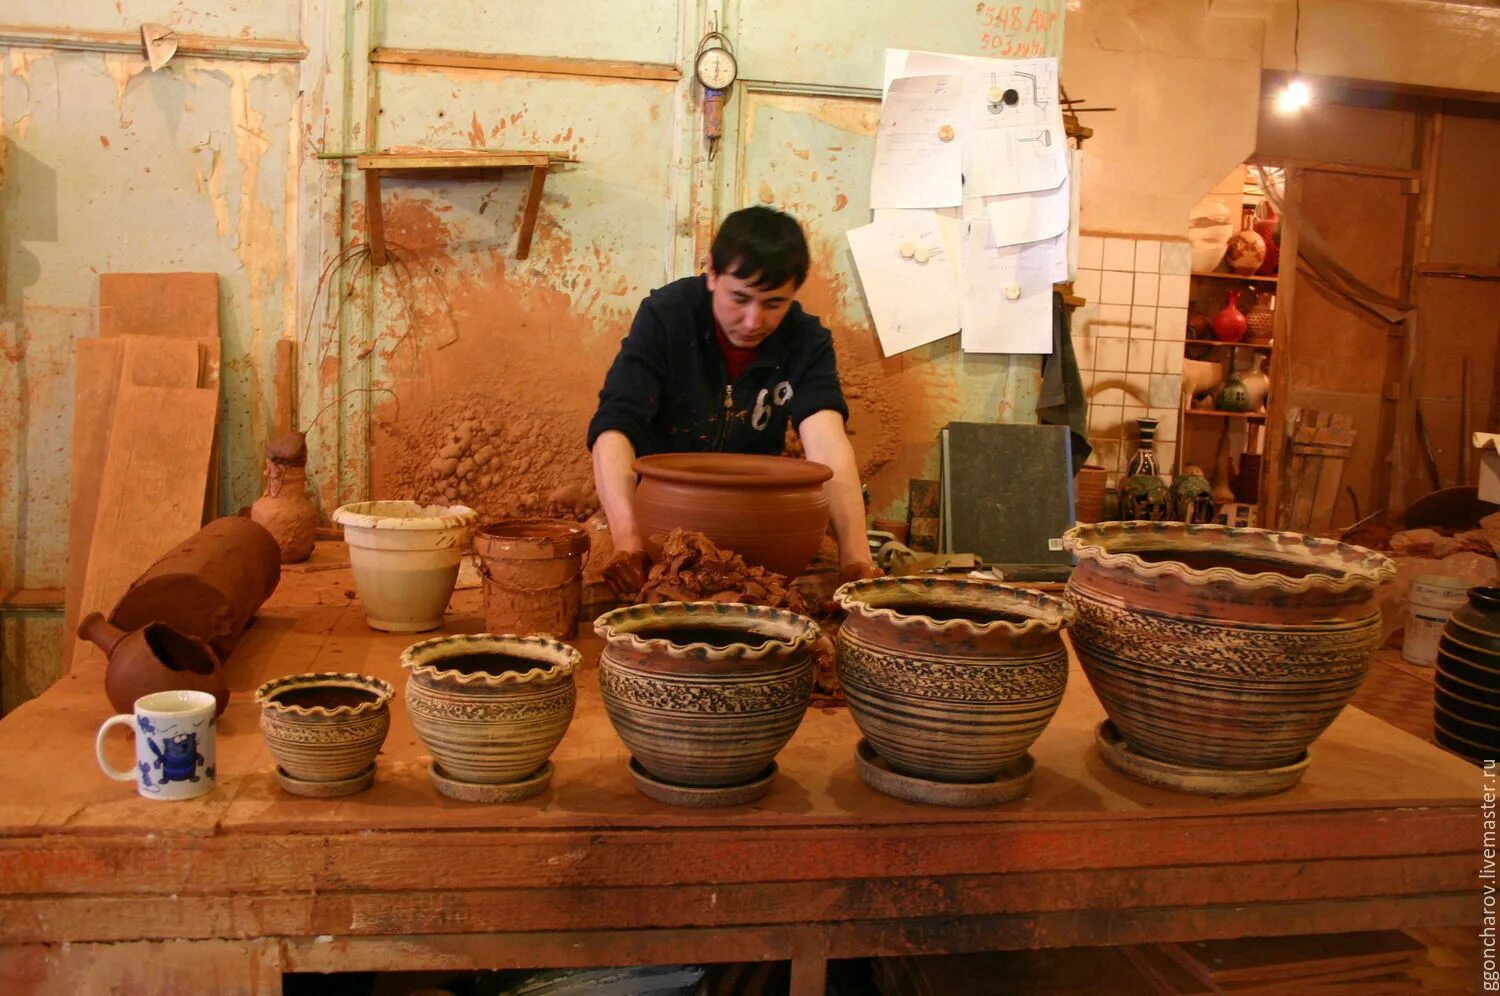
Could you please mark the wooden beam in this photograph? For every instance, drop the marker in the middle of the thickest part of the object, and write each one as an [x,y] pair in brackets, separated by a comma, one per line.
[543,64]
[32,600]
[1279,403]
[188,46]
[374,218]
[1458,271]
[1326,166]
[528,214]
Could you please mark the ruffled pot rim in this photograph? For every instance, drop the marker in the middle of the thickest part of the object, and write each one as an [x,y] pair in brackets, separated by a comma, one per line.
[1045,613]
[1356,566]
[393,514]
[382,689]
[800,632]
[561,660]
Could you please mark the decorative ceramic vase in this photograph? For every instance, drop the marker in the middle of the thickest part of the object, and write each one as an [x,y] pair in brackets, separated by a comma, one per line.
[1234,396]
[1143,461]
[951,679]
[1145,497]
[770,510]
[533,575]
[154,658]
[1229,323]
[1223,492]
[1269,229]
[1192,499]
[1210,224]
[284,508]
[490,709]
[1467,682]
[1088,502]
[1245,252]
[705,693]
[324,730]
[1260,320]
[1257,384]
[1218,648]
[405,559]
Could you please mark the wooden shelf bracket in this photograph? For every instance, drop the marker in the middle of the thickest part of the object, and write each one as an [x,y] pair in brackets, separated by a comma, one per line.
[458,164]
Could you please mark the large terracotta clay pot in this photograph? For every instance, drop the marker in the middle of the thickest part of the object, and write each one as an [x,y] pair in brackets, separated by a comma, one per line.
[769,510]
[1467,696]
[154,658]
[705,693]
[1221,648]
[325,729]
[951,679]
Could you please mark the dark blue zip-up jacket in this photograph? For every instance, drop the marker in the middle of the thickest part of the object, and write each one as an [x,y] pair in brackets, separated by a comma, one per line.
[668,390]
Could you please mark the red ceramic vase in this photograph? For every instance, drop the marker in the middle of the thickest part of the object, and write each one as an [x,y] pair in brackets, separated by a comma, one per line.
[1230,323]
[770,510]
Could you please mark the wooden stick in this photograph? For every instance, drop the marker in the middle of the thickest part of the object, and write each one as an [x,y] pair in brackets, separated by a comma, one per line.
[188,46]
[374,220]
[544,64]
[533,204]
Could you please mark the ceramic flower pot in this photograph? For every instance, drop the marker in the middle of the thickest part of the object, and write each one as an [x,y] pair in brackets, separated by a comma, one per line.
[490,709]
[769,510]
[1467,696]
[405,559]
[1220,648]
[705,693]
[325,728]
[951,679]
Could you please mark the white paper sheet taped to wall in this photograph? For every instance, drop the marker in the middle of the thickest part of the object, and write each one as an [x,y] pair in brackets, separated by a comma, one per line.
[918,147]
[908,264]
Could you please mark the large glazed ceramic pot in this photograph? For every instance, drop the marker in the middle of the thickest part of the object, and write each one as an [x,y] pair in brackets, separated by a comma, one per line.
[1219,648]
[324,729]
[951,679]
[705,693]
[770,510]
[405,557]
[490,709]
[1466,696]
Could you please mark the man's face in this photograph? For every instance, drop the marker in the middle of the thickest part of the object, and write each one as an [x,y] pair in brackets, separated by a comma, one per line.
[747,313]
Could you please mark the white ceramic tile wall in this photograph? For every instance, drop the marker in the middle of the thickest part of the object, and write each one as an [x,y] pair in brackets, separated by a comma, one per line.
[1128,341]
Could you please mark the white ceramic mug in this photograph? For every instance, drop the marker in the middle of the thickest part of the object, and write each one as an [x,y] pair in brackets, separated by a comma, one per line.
[174,745]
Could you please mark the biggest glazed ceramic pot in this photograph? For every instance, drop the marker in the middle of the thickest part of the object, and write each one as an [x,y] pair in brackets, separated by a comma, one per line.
[1220,648]
[951,679]
[705,693]
[770,510]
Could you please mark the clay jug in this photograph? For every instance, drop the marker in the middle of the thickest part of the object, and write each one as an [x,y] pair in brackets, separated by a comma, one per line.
[1234,396]
[284,509]
[1257,384]
[154,658]
[1229,323]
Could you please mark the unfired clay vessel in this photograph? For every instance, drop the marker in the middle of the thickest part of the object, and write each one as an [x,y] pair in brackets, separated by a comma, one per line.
[284,509]
[533,575]
[951,679]
[705,693]
[490,709]
[769,510]
[405,559]
[1220,648]
[325,729]
[154,658]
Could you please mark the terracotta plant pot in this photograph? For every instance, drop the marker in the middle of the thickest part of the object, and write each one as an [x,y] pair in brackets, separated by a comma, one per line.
[490,709]
[325,728]
[1220,648]
[154,658]
[769,510]
[533,575]
[951,679]
[405,559]
[705,693]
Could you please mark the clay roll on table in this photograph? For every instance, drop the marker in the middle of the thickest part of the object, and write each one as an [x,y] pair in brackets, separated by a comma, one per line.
[705,695]
[1220,654]
[324,729]
[951,680]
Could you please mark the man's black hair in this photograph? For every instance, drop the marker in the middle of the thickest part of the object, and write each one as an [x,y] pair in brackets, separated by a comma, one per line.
[761,245]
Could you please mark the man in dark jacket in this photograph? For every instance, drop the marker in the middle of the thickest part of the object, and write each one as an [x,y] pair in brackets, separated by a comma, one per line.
[722,362]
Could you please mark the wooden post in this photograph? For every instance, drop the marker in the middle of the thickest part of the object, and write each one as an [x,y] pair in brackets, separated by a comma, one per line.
[533,204]
[374,220]
[1278,405]
[809,976]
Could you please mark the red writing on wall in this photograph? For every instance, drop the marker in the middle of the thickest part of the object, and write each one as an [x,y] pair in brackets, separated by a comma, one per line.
[1017,31]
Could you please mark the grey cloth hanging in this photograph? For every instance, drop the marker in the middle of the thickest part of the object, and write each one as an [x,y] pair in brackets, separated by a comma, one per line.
[1061,400]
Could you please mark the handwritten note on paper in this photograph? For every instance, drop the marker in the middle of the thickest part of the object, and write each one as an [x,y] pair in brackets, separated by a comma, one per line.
[918,158]
[908,264]
[1015,137]
[1018,218]
[1007,294]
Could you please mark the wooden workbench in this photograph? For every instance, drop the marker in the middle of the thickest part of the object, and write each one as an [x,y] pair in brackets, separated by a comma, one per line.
[99,888]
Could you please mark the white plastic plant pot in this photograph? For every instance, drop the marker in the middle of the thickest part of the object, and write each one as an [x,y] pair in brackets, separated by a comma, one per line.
[405,558]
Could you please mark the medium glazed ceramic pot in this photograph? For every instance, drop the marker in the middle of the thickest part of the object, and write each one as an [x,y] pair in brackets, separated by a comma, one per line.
[325,727]
[405,559]
[490,709]
[951,679]
[1221,648]
[770,510]
[154,658]
[533,575]
[705,693]
[1467,693]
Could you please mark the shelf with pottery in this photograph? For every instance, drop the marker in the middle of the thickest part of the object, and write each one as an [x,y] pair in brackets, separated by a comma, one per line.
[1249,278]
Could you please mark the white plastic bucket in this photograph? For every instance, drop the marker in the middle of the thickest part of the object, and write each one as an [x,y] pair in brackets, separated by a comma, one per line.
[1431,599]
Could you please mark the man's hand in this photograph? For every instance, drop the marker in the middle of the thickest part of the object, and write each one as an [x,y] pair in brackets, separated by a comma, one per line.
[859,571]
[626,573]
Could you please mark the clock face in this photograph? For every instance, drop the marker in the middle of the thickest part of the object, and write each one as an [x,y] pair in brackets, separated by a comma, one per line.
[716,69]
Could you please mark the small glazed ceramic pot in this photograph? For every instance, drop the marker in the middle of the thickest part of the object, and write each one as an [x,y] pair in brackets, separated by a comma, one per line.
[951,679]
[405,559]
[705,693]
[325,727]
[490,709]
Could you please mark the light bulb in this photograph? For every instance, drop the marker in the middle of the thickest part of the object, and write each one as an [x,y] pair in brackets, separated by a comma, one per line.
[1294,97]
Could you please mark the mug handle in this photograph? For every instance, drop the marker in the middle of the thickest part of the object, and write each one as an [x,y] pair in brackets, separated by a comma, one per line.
[120,720]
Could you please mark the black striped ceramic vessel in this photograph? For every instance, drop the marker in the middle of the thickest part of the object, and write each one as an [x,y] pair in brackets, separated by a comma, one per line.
[951,679]
[705,693]
[1466,693]
[1213,647]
